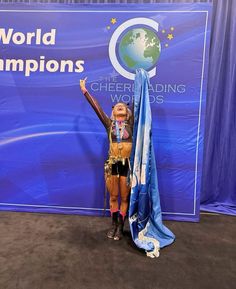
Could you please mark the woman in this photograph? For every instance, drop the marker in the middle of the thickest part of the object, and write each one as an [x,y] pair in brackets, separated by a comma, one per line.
[119,129]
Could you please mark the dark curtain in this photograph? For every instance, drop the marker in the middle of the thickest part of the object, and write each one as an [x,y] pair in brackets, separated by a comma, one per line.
[218,192]
[219,170]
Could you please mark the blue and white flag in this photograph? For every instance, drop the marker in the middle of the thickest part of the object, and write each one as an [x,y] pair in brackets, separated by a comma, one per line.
[147,229]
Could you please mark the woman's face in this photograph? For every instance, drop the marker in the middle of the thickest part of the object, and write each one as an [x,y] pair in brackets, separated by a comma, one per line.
[120,110]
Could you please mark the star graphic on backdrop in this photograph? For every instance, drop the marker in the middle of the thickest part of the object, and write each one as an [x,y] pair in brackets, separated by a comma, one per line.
[166,45]
[172,28]
[108,27]
[170,36]
[163,31]
[113,20]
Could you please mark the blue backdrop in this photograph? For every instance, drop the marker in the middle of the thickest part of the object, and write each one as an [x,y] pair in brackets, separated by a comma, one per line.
[52,146]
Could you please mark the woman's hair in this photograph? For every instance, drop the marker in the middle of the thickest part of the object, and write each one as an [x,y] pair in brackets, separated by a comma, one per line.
[129,112]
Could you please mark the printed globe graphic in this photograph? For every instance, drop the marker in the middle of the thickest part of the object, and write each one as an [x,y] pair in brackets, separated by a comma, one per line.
[139,48]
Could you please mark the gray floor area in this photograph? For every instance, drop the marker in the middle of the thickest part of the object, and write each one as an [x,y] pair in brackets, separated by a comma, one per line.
[43,251]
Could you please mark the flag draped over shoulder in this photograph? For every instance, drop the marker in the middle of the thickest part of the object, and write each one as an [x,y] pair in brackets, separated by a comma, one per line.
[147,229]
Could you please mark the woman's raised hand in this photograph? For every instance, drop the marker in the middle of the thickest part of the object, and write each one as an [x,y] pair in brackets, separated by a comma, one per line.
[82,84]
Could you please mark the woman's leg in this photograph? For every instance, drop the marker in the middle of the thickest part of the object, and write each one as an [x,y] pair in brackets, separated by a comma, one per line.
[124,197]
[112,183]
